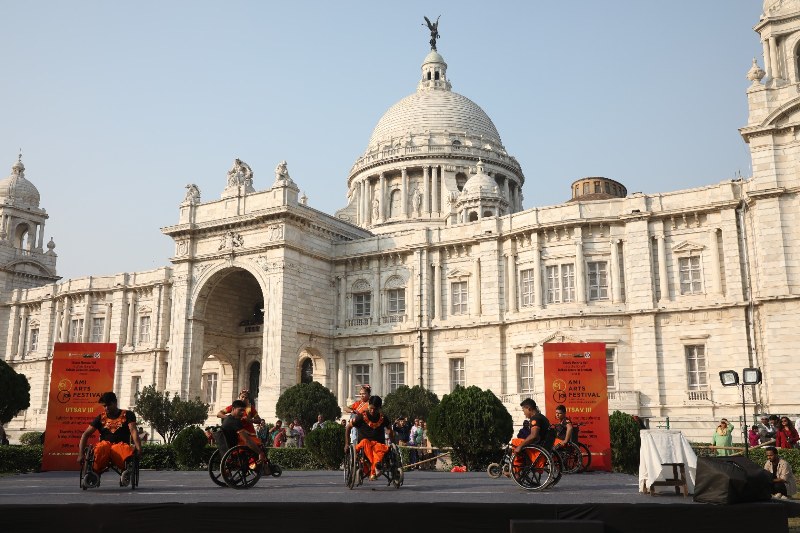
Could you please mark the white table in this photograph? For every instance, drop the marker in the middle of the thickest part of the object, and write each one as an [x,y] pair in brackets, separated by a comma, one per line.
[661,446]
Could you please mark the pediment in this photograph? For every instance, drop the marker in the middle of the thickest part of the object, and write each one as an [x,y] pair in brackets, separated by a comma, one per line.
[687,247]
[561,337]
[457,273]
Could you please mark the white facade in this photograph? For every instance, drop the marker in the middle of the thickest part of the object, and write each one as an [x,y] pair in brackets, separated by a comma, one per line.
[434,243]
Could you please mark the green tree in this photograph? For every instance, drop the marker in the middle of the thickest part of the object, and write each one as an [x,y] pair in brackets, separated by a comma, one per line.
[326,444]
[15,393]
[625,442]
[414,402]
[305,401]
[473,422]
[169,416]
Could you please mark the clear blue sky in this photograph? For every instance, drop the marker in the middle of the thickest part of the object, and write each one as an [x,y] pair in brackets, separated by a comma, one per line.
[118,105]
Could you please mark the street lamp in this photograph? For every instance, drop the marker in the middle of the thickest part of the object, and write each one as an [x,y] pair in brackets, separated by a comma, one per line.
[730,378]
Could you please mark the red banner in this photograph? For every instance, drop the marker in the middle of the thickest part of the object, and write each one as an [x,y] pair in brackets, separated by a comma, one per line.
[81,372]
[575,376]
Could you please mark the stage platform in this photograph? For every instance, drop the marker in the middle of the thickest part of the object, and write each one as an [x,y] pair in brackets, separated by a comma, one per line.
[318,501]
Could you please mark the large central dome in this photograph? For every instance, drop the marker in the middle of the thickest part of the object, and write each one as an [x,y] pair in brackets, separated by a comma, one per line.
[434,111]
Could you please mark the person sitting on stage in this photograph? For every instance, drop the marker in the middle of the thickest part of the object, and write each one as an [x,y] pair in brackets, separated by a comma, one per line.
[539,425]
[249,415]
[233,427]
[563,426]
[117,427]
[372,427]
[784,484]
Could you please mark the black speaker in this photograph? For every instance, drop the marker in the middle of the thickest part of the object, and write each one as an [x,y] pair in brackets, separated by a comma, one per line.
[725,480]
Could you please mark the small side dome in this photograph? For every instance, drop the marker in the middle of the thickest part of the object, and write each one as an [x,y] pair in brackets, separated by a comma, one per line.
[17,190]
[481,184]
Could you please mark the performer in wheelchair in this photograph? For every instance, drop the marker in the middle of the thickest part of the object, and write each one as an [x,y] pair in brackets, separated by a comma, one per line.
[117,427]
[539,426]
[236,431]
[249,414]
[372,427]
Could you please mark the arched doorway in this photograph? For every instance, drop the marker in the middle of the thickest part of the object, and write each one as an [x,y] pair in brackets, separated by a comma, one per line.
[230,307]
[307,371]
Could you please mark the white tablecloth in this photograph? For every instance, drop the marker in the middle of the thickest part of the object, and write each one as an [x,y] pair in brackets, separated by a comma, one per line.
[661,446]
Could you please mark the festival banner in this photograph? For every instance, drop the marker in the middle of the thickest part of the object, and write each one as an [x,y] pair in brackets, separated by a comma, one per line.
[81,372]
[575,376]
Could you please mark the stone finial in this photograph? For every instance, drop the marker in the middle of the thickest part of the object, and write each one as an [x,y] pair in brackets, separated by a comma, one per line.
[192,194]
[756,73]
[50,247]
[282,178]
[304,199]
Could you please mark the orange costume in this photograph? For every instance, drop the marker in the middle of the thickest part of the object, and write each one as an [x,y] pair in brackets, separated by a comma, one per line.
[373,436]
[114,438]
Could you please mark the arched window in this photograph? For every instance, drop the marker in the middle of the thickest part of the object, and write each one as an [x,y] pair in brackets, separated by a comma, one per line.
[488,214]
[21,236]
[307,371]
[461,180]
[473,216]
[797,63]
[429,75]
[254,380]
[437,75]
[394,203]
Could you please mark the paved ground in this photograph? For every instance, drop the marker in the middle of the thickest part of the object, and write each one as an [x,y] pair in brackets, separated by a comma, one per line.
[325,486]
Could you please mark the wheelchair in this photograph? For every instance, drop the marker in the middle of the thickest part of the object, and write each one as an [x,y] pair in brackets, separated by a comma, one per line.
[89,479]
[357,467]
[237,466]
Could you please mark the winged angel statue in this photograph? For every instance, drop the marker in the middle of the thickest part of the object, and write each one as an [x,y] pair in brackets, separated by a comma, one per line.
[434,27]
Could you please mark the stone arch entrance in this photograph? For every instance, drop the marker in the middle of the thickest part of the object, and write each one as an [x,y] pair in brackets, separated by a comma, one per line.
[311,367]
[228,322]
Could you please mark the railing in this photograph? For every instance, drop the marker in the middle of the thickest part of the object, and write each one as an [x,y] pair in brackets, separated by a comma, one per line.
[390,153]
[626,398]
[393,319]
[252,329]
[365,321]
[515,398]
[698,396]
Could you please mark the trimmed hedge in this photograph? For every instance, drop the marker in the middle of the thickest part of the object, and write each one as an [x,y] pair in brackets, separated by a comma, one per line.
[20,459]
[295,459]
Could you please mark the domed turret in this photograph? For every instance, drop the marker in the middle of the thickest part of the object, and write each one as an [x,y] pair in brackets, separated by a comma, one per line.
[420,156]
[480,197]
[17,190]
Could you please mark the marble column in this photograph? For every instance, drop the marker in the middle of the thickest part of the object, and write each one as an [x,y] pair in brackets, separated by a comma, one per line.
[580,268]
[65,319]
[436,200]
[507,193]
[426,192]
[40,230]
[23,332]
[663,282]
[511,276]
[716,271]
[537,271]
[404,193]
[437,289]
[616,283]
[87,318]
[767,58]
[773,53]
[342,313]
[129,341]
[107,323]
[476,268]
[340,377]
[382,211]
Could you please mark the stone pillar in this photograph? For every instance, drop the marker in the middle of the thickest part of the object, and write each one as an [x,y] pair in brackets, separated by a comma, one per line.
[437,289]
[511,276]
[342,310]
[129,342]
[507,192]
[377,308]
[476,267]
[23,331]
[767,58]
[87,318]
[341,391]
[382,200]
[40,230]
[537,271]
[107,323]
[436,200]
[580,268]
[663,282]
[426,192]
[65,320]
[773,54]
[404,194]
[716,274]
[411,294]
[616,283]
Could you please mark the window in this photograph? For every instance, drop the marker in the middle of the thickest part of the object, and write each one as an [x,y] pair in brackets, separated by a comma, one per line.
[568,282]
[136,386]
[598,280]
[396,374]
[210,388]
[76,330]
[553,285]
[585,188]
[457,374]
[526,373]
[690,275]
[459,290]
[608,188]
[98,325]
[611,368]
[397,301]
[597,186]
[34,342]
[362,304]
[360,376]
[526,286]
[696,367]
[144,329]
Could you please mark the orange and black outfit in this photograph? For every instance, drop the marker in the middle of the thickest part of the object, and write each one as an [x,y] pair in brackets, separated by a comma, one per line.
[537,421]
[249,414]
[372,437]
[115,436]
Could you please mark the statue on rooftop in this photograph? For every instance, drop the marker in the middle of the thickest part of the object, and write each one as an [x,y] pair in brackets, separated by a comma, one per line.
[434,28]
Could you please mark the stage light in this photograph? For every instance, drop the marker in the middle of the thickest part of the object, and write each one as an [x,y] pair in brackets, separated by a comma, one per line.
[729,378]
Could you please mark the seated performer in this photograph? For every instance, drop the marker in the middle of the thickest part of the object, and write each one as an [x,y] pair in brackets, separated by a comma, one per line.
[249,414]
[236,433]
[117,427]
[539,427]
[372,427]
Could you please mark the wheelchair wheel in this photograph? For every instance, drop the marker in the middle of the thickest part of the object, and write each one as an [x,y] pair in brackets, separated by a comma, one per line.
[571,455]
[494,470]
[132,471]
[239,467]
[275,470]
[558,467]
[349,468]
[396,474]
[214,469]
[532,468]
[586,457]
[89,479]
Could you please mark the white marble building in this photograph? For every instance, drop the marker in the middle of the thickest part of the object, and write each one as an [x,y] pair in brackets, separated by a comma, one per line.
[434,273]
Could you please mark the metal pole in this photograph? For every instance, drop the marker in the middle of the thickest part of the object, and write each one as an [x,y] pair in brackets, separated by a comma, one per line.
[744,426]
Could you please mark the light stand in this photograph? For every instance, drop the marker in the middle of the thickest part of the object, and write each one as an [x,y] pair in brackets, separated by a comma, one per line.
[730,378]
